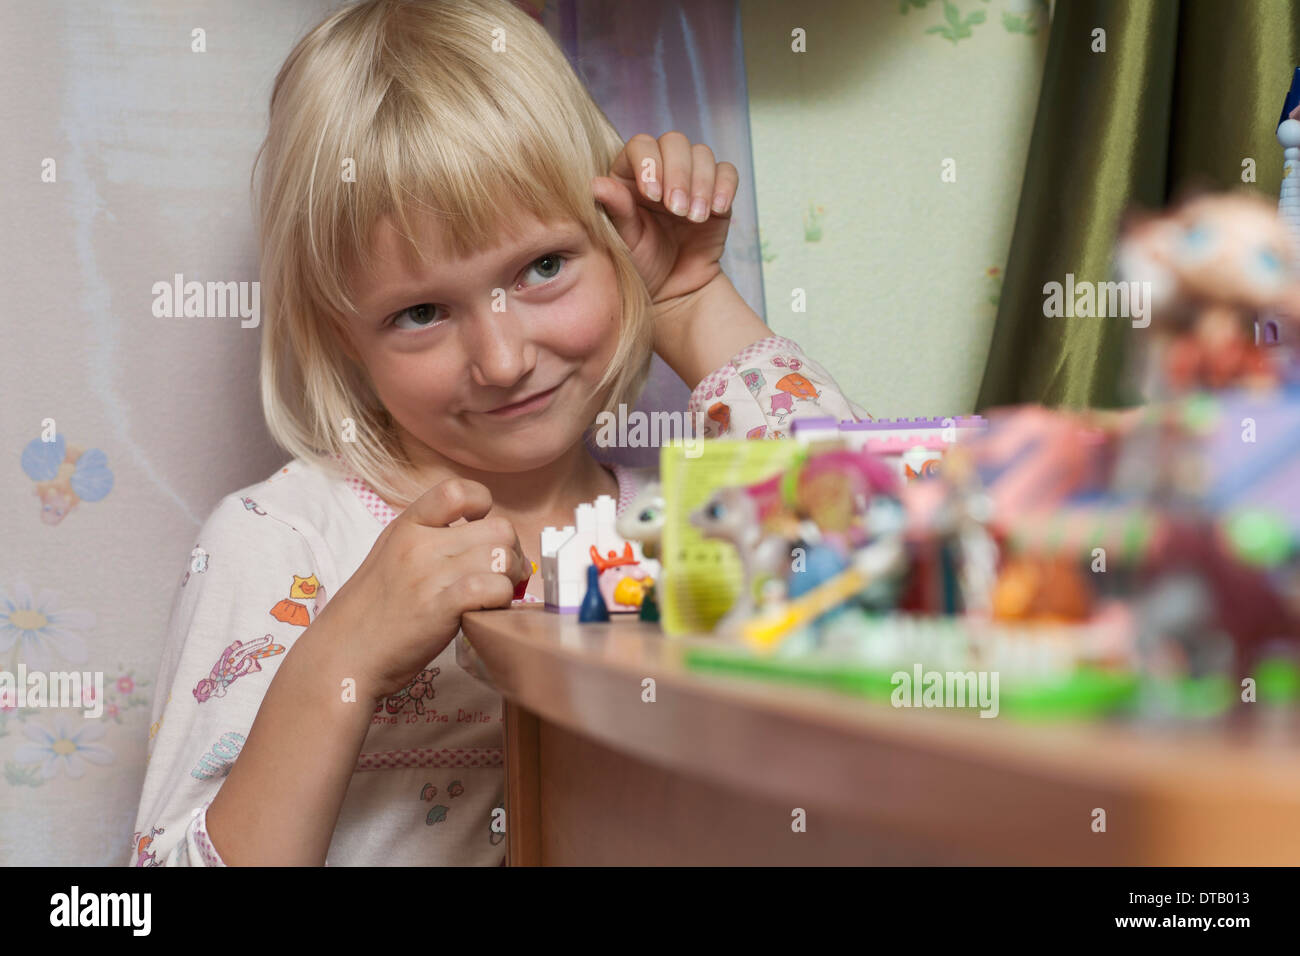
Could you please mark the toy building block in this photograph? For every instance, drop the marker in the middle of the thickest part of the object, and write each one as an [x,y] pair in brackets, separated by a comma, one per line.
[911,446]
[566,553]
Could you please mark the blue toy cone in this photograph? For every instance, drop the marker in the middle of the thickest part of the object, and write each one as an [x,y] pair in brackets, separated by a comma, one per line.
[593,605]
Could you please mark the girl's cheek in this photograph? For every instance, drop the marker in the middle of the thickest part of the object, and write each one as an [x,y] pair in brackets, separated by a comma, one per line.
[581,325]
[417,378]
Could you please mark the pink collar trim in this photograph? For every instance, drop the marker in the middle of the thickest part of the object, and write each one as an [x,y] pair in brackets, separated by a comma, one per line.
[383,512]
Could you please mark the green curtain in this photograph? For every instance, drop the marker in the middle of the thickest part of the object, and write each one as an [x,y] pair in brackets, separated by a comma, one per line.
[1184,92]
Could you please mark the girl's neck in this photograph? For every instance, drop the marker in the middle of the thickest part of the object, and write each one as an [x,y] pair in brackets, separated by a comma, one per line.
[546,494]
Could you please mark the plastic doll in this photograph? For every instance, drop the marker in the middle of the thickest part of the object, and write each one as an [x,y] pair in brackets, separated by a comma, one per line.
[1217,264]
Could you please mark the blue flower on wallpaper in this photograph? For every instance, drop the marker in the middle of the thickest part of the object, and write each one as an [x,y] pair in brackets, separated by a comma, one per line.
[63,750]
[65,475]
[37,630]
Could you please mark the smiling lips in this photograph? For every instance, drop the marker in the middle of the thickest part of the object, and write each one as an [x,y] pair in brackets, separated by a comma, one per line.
[533,403]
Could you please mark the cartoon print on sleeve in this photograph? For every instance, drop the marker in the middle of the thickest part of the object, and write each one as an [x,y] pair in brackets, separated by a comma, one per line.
[798,387]
[290,611]
[236,660]
[788,389]
[143,855]
[782,405]
[219,758]
[65,475]
[777,383]
[720,412]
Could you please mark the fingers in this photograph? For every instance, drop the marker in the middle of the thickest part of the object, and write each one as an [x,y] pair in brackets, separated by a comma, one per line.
[640,162]
[499,558]
[685,177]
[493,535]
[448,501]
[703,172]
[486,546]
[725,184]
[675,149]
[481,590]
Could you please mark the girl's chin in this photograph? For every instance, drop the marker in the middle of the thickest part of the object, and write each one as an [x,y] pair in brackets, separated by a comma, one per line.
[523,452]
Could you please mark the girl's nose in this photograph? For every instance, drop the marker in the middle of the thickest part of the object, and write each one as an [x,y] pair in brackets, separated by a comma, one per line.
[499,351]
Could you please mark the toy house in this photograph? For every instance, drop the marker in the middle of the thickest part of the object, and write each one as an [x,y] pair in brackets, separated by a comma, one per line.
[567,553]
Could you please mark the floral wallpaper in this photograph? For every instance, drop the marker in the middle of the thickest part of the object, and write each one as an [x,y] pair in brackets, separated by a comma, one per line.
[889,145]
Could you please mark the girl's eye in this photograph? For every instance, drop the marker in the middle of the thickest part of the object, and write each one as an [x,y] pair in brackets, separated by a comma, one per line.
[1268,262]
[420,317]
[548,266]
[1198,241]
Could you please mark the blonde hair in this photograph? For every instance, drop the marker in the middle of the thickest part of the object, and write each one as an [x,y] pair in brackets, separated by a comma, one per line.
[414,97]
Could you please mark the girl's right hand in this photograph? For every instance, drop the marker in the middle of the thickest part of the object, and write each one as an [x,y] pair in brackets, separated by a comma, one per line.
[402,607]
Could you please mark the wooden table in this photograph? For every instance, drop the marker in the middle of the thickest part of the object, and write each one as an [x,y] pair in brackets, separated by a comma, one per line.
[716,769]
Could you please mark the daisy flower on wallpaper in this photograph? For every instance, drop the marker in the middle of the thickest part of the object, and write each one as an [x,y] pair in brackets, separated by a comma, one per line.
[61,749]
[39,628]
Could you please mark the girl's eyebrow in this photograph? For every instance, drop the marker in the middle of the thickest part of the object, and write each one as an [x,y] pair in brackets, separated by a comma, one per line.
[517,256]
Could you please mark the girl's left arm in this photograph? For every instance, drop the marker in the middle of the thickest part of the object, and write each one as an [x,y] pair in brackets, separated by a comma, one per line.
[697,333]
[670,201]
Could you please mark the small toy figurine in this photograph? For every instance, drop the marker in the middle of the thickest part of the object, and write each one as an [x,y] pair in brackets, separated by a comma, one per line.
[809,538]
[832,488]
[643,520]
[1217,265]
[593,605]
[649,609]
[733,515]
[1040,589]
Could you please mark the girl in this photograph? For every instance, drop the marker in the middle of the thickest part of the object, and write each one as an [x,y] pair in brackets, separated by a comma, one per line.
[453,288]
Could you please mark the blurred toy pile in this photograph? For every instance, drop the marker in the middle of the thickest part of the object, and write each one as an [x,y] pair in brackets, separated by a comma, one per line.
[1144,561]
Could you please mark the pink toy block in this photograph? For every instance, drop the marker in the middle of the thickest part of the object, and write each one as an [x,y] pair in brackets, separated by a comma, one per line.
[901,442]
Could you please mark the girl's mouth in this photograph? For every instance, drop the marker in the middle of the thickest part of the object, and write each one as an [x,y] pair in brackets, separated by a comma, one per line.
[533,404]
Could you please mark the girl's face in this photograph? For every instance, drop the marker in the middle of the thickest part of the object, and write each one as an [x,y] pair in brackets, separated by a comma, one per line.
[490,361]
